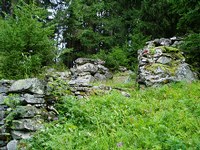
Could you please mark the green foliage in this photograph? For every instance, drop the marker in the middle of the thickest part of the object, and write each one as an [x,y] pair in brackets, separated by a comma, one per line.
[165,118]
[25,42]
[58,87]
[191,47]
[136,42]
[12,100]
[115,58]
[187,16]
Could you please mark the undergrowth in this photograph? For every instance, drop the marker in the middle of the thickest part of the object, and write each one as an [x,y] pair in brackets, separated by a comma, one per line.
[155,118]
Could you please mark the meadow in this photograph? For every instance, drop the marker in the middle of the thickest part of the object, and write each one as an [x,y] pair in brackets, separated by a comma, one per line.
[167,117]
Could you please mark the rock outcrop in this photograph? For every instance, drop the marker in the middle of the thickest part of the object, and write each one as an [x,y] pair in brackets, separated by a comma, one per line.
[161,62]
[23,110]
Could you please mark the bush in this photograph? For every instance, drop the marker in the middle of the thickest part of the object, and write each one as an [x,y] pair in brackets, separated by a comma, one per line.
[25,42]
[115,58]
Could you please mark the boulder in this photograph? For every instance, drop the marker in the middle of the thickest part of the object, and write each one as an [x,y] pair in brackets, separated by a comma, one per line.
[184,73]
[88,67]
[100,77]
[32,85]
[81,61]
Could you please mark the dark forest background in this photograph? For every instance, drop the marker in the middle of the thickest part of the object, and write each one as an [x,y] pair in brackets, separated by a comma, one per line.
[112,30]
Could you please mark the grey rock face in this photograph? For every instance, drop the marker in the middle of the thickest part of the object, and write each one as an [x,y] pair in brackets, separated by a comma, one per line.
[184,73]
[32,85]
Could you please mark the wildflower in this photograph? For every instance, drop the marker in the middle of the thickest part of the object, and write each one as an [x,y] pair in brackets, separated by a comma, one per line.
[120,144]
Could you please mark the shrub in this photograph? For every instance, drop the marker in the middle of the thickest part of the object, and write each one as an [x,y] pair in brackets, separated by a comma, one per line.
[115,58]
[25,42]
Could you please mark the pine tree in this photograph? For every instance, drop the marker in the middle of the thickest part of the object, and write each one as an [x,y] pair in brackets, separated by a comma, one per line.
[25,42]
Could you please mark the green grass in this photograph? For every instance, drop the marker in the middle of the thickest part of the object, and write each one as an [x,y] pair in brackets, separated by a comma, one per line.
[155,118]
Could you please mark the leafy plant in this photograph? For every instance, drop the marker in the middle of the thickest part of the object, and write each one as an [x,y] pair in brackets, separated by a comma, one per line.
[12,100]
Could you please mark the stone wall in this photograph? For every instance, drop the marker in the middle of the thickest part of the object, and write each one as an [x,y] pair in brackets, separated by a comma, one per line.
[86,71]
[161,62]
[24,107]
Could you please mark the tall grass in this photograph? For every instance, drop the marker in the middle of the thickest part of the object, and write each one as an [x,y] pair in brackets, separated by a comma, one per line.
[158,118]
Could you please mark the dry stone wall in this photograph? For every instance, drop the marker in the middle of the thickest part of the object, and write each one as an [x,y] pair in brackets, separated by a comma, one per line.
[161,62]
[24,108]
[84,72]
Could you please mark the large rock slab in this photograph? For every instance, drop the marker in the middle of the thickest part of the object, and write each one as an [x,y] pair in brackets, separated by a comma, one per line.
[32,124]
[32,85]
[32,99]
[25,112]
[88,67]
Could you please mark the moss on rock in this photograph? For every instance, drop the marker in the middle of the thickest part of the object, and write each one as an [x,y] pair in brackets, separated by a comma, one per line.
[168,69]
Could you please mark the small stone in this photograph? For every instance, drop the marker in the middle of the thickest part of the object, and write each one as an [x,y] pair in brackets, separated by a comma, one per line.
[125,94]
[12,145]
[3,89]
[159,70]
